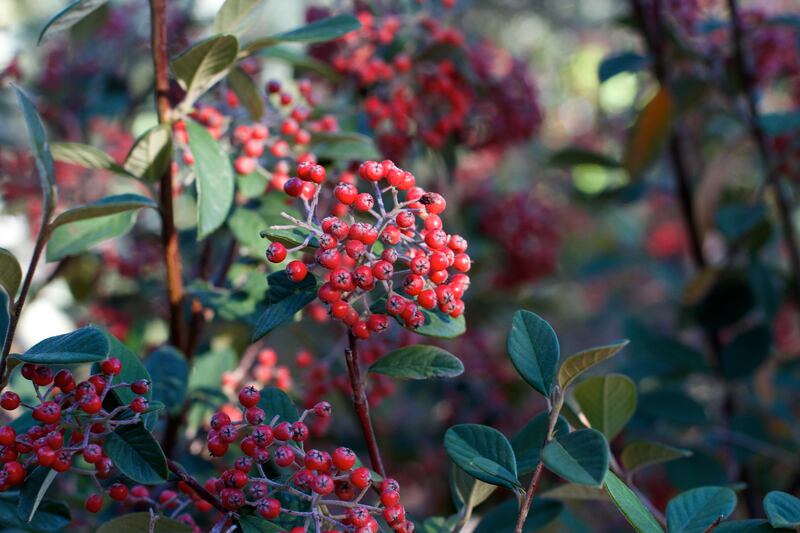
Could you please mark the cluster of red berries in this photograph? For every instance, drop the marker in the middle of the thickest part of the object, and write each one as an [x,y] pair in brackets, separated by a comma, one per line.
[283,138]
[323,480]
[524,228]
[66,405]
[361,247]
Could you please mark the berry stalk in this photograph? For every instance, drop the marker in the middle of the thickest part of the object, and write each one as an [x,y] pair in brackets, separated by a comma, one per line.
[361,405]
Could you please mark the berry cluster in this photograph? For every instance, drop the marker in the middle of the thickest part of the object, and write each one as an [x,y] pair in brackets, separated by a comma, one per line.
[71,420]
[523,226]
[474,95]
[362,245]
[322,481]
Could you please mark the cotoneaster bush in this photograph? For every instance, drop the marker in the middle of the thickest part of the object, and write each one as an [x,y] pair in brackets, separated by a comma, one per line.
[341,195]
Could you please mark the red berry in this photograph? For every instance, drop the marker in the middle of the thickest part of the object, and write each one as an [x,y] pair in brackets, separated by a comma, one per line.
[139,404]
[9,400]
[118,492]
[140,386]
[111,366]
[297,271]
[360,478]
[276,252]
[94,502]
[7,436]
[344,458]
[269,508]
[48,413]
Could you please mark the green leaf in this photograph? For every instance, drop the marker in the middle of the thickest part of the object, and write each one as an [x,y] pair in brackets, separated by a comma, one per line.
[467,491]
[438,524]
[132,369]
[253,524]
[5,315]
[86,156]
[41,150]
[234,14]
[151,154]
[782,509]
[673,406]
[33,491]
[137,455]
[754,525]
[735,221]
[109,205]
[214,179]
[780,123]
[254,184]
[619,63]
[503,518]
[484,453]
[344,146]
[577,364]
[244,224]
[649,134]
[170,377]
[630,505]
[440,325]
[608,402]
[574,155]
[203,65]
[85,345]
[289,237]
[68,17]
[300,61]
[573,491]
[140,522]
[580,457]
[276,402]
[695,510]
[76,237]
[641,454]
[51,515]
[245,88]
[285,298]
[10,272]
[746,352]
[529,441]
[318,31]
[418,362]
[533,347]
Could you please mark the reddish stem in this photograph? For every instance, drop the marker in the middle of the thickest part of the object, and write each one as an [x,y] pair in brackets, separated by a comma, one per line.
[176,469]
[169,236]
[523,512]
[361,405]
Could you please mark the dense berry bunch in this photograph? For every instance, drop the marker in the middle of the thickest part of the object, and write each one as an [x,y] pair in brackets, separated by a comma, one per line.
[365,241]
[524,227]
[332,488]
[71,419]
[450,91]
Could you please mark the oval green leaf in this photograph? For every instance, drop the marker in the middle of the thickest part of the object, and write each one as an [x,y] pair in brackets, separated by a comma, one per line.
[85,345]
[86,156]
[503,517]
[170,374]
[10,273]
[245,88]
[630,505]
[41,150]
[782,509]
[137,455]
[150,155]
[276,402]
[318,31]
[77,237]
[529,441]
[344,146]
[533,347]
[284,299]
[582,361]
[68,17]
[695,510]
[109,205]
[484,453]
[203,65]
[141,522]
[608,402]
[641,454]
[234,14]
[418,362]
[580,457]
[214,179]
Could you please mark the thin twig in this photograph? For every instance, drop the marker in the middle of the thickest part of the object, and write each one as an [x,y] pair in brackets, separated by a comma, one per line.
[361,405]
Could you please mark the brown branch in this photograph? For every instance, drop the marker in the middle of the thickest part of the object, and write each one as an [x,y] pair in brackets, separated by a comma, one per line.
[361,405]
[757,132]
[176,469]
[169,235]
[13,320]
